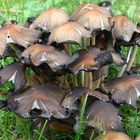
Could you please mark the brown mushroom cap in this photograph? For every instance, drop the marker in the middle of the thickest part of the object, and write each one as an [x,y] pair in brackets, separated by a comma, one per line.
[45,99]
[125,89]
[12,33]
[112,135]
[68,32]
[123,28]
[94,20]
[137,138]
[85,7]
[54,58]
[103,116]
[14,72]
[70,99]
[93,59]
[50,19]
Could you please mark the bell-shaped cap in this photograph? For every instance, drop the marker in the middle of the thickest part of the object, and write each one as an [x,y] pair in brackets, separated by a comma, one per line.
[39,101]
[53,57]
[70,32]
[50,19]
[14,72]
[70,100]
[94,20]
[124,89]
[12,33]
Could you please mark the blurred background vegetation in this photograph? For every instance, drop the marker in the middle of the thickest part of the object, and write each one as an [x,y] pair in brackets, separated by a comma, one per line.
[11,126]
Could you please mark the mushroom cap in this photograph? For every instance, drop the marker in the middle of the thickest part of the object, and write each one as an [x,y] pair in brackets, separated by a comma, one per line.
[50,19]
[124,89]
[137,138]
[112,135]
[53,57]
[12,33]
[85,7]
[93,59]
[71,98]
[94,20]
[41,100]
[14,72]
[123,28]
[69,32]
[104,116]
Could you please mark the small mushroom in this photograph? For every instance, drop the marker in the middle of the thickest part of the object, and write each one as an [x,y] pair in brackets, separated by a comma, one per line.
[70,100]
[71,32]
[124,89]
[112,135]
[53,57]
[14,72]
[93,59]
[94,20]
[12,33]
[39,101]
[50,19]
[85,7]
[123,28]
[103,116]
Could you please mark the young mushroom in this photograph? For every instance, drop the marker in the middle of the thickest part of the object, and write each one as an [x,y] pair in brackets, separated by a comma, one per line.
[14,72]
[50,19]
[103,116]
[112,135]
[53,57]
[124,89]
[12,33]
[39,101]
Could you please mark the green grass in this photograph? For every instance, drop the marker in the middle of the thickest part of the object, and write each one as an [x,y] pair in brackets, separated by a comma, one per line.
[13,127]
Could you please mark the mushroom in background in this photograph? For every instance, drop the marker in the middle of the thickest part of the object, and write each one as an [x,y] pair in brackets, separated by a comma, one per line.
[124,89]
[55,58]
[112,135]
[103,116]
[12,33]
[50,19]
[85,7]
[70,32]
[14,72]
[39,101]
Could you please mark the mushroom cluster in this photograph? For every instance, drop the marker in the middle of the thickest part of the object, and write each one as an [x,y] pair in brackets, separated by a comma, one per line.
[58,50]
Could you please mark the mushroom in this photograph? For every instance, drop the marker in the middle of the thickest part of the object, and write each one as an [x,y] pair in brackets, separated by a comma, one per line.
[70,100]
[103,116]
[12,33]
[94,20]
[50,19]
[70,32]
[112,135]
[14,72]
[124,89]
[39,101]
[85,7]
[93,59]
[53,57]
[123,28]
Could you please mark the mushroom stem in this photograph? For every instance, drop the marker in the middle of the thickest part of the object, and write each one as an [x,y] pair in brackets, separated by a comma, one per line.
[127,60]
[132,58]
